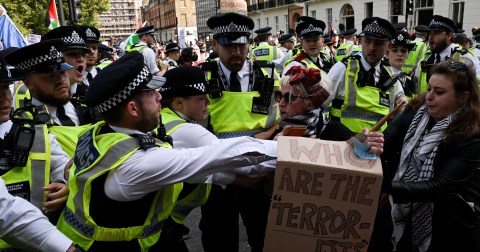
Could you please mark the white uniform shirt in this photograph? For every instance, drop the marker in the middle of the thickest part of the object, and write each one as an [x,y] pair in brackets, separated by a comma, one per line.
[52,110]
[337,76]
[296,63]
[23,225]
[279,63]
[149,57]
[58,157]
[170,63]
[476,51]
[94,73]
[242,75]
[191,135]
[149,170]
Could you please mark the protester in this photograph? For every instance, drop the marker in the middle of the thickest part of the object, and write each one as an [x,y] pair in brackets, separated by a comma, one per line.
[431,164]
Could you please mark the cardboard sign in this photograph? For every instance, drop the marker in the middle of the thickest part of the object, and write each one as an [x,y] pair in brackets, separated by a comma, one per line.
[325,198]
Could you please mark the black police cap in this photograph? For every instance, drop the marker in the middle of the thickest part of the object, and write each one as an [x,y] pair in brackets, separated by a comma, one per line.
[310,28]
[44,56]
[476,33]
[440,23]
[304,19]
[403,39]
[264,31]
[145,30]
[230,24]
[8,74]
[285,37]
[73,37]
[327,41]
[119,81]
[92,33]
[400,26]
[104,49]
[184,81]
[458,37]
[421,29]
[349,33]
[172,47]
[378,28]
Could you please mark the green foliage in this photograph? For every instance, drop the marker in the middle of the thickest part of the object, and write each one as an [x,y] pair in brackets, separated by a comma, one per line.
[29,15]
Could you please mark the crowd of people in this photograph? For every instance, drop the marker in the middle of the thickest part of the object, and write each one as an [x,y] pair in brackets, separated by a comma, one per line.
[112,154]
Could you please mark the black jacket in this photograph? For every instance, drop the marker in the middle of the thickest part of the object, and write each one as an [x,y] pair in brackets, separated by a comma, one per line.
[456,181]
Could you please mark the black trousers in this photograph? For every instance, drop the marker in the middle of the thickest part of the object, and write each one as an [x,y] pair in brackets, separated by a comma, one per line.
[219,223]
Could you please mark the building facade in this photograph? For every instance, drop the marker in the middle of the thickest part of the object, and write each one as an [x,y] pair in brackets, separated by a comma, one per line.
[174,20]
[345,14]
[205,9]
[123,19]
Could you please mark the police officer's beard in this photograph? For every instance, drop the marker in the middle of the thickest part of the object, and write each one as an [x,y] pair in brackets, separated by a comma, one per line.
[440,46]
[148,122]
[49,99]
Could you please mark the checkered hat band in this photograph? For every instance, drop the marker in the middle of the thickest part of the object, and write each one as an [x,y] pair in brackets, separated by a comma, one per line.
[440,25]
[28,64]
[309,30]
[198,86]
[376,29]
[73,39]
[91,34]
[231,29]
[125,93]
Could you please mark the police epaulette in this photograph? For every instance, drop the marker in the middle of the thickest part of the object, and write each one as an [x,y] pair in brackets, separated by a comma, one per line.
[209,66]
[351,56]
[263,63]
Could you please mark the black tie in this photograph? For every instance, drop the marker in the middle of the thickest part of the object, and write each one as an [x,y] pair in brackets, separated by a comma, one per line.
[234,83]
[437,59]
[64,119]
[371,77]
[89,78]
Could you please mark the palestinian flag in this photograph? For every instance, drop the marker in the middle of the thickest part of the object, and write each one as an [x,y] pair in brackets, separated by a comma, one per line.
[51,19]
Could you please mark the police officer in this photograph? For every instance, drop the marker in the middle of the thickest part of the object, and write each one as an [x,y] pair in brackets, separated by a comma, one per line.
[310,32]
[31,160]
[243,106]
[418,51]
[399,27]
[104,56]
[440,32]
[124,182]
[476,43]
[173,54]
[144,46]
[287,43]
[362,94]
[92,41]
[265,51]
[349,46]
[74,51]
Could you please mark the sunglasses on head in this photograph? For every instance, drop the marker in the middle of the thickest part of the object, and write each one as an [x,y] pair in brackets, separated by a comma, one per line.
[287,97]
[454,66]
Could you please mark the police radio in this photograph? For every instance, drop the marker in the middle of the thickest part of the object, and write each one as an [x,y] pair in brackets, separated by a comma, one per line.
[22,144]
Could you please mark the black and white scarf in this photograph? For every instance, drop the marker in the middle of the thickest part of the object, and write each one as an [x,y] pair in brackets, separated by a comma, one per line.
[416,164]
[314,120]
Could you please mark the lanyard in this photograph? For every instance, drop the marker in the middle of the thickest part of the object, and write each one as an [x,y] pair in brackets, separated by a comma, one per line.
[226,84]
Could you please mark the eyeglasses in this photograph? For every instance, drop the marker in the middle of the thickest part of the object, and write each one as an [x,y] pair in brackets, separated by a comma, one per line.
[454,66]
[287,97]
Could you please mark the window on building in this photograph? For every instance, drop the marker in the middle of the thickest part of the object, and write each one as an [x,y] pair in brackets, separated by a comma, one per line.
[182,3]
[184,21]
[369,9]
[395,10]
[457,12]
[423,11]
[277,25]
[348,17]
[313,14]
[285,17]
[329,18]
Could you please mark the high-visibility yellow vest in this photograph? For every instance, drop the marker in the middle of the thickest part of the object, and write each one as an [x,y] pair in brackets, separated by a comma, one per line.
[345,50]
[264,52]
[361,107]
[415,55]
[231,114]
[97,155]
[34,176]
[198,196]
[21,96]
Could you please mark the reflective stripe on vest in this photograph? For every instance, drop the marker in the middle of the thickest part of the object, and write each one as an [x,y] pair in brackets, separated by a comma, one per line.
[361,108]
[231,113]
[76,221]
[36,172]
[195,198]
[21,94]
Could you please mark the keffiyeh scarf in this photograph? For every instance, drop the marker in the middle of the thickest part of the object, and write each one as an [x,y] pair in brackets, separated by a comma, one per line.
[416,164]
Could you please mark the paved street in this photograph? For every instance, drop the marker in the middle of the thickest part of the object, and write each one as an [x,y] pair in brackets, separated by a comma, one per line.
[195,244]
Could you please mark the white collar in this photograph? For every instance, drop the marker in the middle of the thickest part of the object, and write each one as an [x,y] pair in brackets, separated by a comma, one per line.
[5,128]
[446,52]
[349,42]
[263,43]
[244,71]
[367,65]
[126,131]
